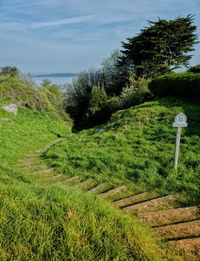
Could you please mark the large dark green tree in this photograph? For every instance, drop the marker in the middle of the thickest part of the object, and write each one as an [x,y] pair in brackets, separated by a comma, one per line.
[160,47]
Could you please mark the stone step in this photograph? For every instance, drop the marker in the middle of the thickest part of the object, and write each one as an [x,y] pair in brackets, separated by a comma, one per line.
[28,164]
[49,145]
[70,181]
[112,192]
[32,155]
[34,169]
[54,177]
[156,218]
[154,204]
[130,199]
[189,248]
[179,230]
[44,171]
[85,185]
[99,188]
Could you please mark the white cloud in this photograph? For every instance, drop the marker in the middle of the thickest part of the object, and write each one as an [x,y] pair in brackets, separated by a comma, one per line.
[71,20]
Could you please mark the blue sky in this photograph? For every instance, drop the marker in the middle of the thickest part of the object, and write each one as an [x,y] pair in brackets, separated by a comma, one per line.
[73,35]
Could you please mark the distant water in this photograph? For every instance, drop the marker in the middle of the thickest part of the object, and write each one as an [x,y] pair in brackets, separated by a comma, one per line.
[60,79]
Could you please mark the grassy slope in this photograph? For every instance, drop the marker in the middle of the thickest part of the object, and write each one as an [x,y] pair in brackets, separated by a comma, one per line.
[137,149]
[40,222]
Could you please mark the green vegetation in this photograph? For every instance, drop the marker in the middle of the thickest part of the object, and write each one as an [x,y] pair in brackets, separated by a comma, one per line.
[136,148]
[45,222]
[195,69]
[40,221]
[186,85]
[21,90]
[161,47]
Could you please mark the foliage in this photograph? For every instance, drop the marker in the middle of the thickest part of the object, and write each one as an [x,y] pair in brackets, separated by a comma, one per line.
[98,99]
[177,84]
[136,92]
[35,225]
[9,71]
[115,77]
[161,47]
[54,98]
[195,69]
[26,130]
[78,95]
[89,104]
[136,148]
[22,91]
[34,220]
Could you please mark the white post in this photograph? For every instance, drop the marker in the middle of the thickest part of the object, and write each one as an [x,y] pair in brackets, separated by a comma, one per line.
[177,145]
[180,121]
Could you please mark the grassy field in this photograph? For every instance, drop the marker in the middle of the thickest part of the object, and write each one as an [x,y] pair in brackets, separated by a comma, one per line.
[43,222]
[136,148]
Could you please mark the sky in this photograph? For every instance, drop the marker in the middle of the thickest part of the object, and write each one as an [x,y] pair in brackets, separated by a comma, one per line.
[52,36]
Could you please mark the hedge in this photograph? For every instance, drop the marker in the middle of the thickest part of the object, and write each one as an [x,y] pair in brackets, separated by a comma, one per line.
[185,85]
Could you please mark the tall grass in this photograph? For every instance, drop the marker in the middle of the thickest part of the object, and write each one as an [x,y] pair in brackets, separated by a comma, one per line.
[136,148]
[43,222]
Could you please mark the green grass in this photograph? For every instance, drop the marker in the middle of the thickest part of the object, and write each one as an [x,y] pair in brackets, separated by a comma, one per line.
[44,222]
[137,149]
[26,131]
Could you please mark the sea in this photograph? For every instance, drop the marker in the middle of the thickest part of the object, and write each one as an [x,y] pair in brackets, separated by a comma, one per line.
[60,78]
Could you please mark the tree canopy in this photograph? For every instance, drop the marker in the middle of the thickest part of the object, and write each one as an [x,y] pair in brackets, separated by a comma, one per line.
[160,47]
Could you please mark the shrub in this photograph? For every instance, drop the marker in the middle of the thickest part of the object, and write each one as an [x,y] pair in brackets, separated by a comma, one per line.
[98,99]
[53,97]
[23,93]
[9,71]
[135,93]
[195,69]
[185,85]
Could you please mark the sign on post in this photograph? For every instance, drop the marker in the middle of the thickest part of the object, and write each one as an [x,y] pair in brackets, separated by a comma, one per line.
[180,121]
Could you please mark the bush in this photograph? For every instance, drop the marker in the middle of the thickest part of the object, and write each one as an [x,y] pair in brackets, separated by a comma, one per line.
[186,85]
[22,93]
[135,93]
[195,69]
[98,99]
[53,97]
[9,71]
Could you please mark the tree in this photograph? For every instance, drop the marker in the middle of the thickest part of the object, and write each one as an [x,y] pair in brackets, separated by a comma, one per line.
[160,47]
[115,77]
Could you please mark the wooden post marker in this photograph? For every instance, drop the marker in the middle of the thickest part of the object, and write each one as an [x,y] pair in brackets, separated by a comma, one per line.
[180,121]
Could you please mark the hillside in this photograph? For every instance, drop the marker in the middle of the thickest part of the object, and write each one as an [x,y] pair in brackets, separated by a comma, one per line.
[136,148]
[40,221]
[129,161]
